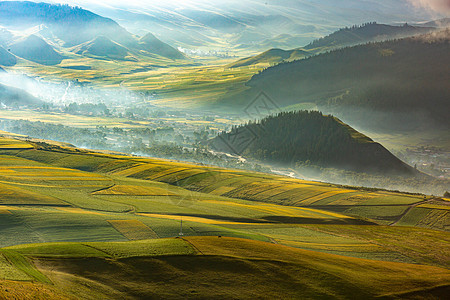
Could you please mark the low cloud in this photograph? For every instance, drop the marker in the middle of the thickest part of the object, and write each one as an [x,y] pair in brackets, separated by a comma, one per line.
[437,6]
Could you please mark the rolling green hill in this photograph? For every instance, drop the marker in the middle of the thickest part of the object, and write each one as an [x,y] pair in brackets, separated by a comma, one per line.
[386,86]
[35,49]
[294,138]
[6,58]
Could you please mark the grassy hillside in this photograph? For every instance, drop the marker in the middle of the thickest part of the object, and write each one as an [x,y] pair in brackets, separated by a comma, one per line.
[388,86]
[35,49]
[294,138]
[250,268]
[271,57]
[91,223]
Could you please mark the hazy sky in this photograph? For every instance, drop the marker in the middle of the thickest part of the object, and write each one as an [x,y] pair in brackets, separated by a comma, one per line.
[439,7]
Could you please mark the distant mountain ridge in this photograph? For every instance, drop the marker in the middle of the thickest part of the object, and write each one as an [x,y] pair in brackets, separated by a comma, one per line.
[369,32]
[308,137]
[75,26]
[345,37]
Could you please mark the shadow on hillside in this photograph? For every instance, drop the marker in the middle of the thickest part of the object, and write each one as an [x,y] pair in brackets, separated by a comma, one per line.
[283,220]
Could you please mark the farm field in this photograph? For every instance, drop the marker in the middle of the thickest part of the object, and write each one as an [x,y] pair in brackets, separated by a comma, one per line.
[60,204]
[175,83]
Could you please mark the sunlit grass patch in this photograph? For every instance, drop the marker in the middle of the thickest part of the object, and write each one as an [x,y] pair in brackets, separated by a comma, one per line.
[76,210]
[133,229]
[435,206]
[155,247]
[56,250]
[132,170]
[130,190]
[7,143]
[325,195]
[10,194]
[196,219]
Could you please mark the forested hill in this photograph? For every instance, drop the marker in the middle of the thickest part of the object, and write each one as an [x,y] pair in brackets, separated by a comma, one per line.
[309,137]
[369,32]
[394,85]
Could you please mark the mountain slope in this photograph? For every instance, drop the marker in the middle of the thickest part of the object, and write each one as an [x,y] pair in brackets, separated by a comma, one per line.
[73,25]
[272,56]
[10,96]
[35,49]
[103,47]
[370,32]
[151,44]
[5,37]
[6,58]
[294,138]
[355,35]
[394,85]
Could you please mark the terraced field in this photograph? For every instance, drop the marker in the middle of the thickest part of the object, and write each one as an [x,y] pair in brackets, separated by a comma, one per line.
[58,202]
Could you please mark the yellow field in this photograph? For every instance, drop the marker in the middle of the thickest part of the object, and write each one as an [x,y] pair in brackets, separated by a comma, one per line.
[133,229]
[131,190]
[197,219]
[15,195]
[75,210]
[133,170]
[7,143]
[322,196]
[435,206]
[333,247]
[222,190]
